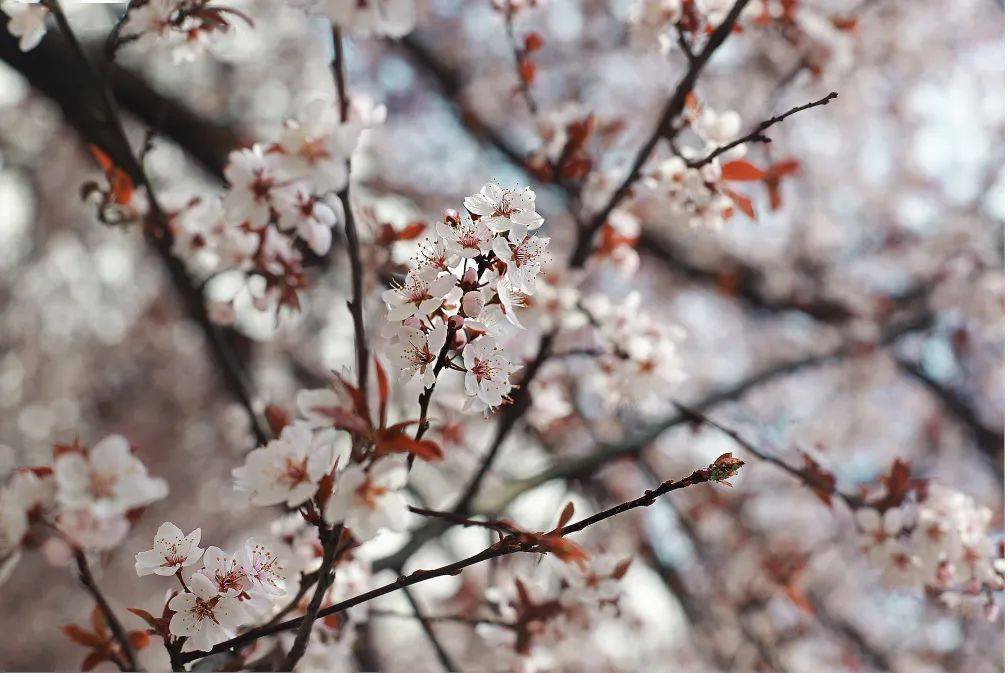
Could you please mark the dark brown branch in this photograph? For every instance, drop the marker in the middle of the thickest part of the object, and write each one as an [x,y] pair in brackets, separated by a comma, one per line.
[507,546]
[356,303]
[991,442]
[84,95]
[118,632]
[674,107]
[696,416]
[757,134]
[517,53]
[330,542]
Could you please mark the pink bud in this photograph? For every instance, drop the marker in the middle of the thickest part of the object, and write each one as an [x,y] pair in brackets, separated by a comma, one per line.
[452,217]
[455,322]
[472,303]
[470,276]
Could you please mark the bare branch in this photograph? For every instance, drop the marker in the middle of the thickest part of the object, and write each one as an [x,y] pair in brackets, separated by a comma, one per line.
[757,134]
[507,546]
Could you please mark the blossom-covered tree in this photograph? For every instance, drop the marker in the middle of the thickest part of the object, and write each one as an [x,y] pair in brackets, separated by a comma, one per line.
[445,327]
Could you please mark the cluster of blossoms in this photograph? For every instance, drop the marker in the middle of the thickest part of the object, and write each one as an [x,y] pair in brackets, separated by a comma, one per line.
[280,205]
[228,590]
[460,298]
[88,496]
[312,465]
[185,27]
[653,23]
[363,18]
[942,542]
[545,622]
[26,21]
[695,189]
[638,358]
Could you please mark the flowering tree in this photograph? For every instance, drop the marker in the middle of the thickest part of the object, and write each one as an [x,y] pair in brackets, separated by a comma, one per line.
[452,323]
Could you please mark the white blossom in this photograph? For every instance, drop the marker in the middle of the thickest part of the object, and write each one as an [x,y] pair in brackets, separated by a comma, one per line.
[27,22]
[370,500]
[172,551]
[204,616]
[288,469]
[421,293]
[505,210]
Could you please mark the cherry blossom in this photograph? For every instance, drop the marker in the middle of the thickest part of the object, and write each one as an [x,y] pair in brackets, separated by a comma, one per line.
[252,176]
[27,22]
[289,468]
[370,500]
[108,480]
[264,569]
[524,260]
[488,372]
[393,18]
[420,350]
[172,551]
[505,210]
[204,616]
[466,237]
[307,215]
[227,572]
[421,293]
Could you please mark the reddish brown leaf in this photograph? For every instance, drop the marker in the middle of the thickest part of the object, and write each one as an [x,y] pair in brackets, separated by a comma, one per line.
[533,42]
[566,515]
[527,69]
[741,171]
[622,567]
[743,202]
[411,231]
[423,449]
[82,636]
[139,639]
[383,391]
[821,481]
[277,417]
[93,659]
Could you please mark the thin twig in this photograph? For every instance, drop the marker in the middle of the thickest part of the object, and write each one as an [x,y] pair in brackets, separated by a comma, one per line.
[330,541]
[676,104]
[756,135]
[356,304]
[116,144]
[509,545]
[88,580]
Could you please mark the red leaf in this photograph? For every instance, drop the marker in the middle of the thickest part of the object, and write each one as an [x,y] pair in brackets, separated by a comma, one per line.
[93,659]
[621,568]
[411,231]
[139,639]
[566,515]
[98,624]
[103,159]
[822,482]
[277,417]
[383,391]
[82,637]
[527,70]
[741,171]
[743,202]
[424,449]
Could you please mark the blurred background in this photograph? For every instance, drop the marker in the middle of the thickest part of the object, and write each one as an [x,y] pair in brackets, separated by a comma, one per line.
[873,295]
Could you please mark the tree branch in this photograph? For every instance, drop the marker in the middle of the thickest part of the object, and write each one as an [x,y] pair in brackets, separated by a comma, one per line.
[88,580]
[511,544]
[757,134]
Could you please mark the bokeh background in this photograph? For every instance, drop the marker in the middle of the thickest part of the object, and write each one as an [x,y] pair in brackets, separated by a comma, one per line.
[896,211]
